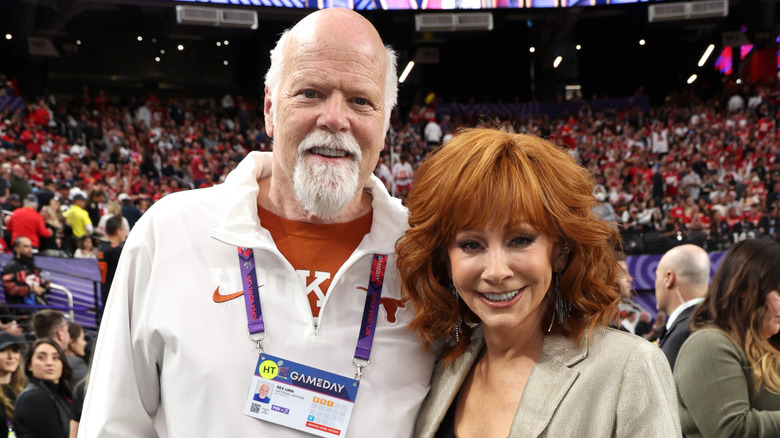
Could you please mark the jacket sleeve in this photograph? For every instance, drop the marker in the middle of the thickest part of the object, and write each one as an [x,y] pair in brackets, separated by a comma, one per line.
[654,411]
[14,284]
[123,393]
[36,416]
[713,389]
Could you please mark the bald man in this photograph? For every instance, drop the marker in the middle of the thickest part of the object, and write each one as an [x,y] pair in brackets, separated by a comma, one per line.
[286,258]
[681,281]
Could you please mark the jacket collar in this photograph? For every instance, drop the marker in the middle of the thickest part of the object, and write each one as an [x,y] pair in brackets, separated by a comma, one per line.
[239,224]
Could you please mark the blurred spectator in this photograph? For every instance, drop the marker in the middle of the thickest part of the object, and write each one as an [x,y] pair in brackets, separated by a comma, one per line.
[5,182]
[46,193]
[112,209]
[86,248]
[403,174]
[129,210]
[52,246]
[78,218]
[109,252]
[22,280]
[94,205]
[43,407]
[383,172]
[12,378]
[27,222]
[76,353]
[433,133]
[20,186]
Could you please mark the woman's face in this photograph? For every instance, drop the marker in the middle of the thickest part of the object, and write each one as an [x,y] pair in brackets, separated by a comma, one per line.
[9,359]
[503,275]
[77,345]
[772,317]
[46,363]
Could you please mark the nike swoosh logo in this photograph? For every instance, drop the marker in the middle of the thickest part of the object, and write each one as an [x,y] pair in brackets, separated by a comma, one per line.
[219,298]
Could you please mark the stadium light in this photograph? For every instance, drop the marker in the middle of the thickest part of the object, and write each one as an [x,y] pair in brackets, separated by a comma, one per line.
[180,47]
[406,72]
[706,54]
[557,61]
[692,78]
[140,38]
[8,36]
[532,49]
[156,59]
[578,47]
[642,42]
[219,43]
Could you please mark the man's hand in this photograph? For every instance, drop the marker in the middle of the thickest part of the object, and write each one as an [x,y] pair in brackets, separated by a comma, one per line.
[38,290]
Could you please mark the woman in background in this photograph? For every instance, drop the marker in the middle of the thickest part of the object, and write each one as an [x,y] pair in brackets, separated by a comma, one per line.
[12,379]
[506,261]
[86,249]
[42,410]
[75,353]
[727,372]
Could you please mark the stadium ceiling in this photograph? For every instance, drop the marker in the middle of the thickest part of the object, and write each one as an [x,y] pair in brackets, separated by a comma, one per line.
[607,33]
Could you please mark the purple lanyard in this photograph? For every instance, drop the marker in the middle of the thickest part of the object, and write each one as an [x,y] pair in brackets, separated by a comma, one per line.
[254,313]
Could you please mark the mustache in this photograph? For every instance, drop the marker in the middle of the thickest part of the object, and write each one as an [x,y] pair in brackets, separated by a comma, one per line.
[339,141]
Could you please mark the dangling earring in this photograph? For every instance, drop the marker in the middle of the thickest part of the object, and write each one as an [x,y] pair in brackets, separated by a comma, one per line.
[459,322]
[562,306]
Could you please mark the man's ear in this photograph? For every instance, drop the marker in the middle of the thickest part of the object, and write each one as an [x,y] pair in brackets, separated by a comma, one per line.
[268,113]
[670,279]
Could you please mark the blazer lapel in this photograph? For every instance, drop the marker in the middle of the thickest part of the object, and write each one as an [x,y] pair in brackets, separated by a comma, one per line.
[549,382]
[683,316]
[445,384]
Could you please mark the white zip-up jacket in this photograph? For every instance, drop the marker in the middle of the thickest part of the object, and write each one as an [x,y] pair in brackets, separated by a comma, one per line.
[170,361]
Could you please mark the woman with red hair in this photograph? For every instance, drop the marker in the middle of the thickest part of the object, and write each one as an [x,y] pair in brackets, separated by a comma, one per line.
[506,263]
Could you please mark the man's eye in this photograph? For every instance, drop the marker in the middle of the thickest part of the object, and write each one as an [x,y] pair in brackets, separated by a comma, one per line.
[361,101]
[309,94]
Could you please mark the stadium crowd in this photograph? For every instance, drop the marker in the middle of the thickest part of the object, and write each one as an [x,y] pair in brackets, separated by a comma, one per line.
[695,170]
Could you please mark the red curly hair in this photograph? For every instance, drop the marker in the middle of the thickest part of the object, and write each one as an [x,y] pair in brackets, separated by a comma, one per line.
[462,185]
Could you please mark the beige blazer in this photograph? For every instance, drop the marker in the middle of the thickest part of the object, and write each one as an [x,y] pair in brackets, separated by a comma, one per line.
[613,384]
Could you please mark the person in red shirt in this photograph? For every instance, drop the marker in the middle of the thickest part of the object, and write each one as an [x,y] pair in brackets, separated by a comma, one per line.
[27,222]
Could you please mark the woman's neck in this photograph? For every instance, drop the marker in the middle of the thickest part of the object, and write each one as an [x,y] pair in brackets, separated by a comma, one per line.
[5,378]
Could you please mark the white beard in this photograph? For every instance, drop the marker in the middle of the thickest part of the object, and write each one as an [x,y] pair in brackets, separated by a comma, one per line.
[325,189]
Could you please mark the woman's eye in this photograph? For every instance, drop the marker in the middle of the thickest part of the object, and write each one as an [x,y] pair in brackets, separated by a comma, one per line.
[522,240]
[469,245]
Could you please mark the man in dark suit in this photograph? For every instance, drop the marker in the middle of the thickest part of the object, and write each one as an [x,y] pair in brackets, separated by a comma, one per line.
[681,282]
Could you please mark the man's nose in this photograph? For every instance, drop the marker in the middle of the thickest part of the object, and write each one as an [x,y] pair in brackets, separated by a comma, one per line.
[334,115]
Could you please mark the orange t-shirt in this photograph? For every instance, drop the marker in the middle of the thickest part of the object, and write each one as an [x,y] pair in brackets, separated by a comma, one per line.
[316,251]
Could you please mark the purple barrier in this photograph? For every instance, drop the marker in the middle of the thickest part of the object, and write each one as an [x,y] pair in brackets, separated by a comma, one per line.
[12,103]
[80,276]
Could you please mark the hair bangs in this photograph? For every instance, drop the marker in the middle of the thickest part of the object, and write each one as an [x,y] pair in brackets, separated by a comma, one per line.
[495,186]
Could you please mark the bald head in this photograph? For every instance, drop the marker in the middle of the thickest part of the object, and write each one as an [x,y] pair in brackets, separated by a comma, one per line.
[335,29]
[683,274]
